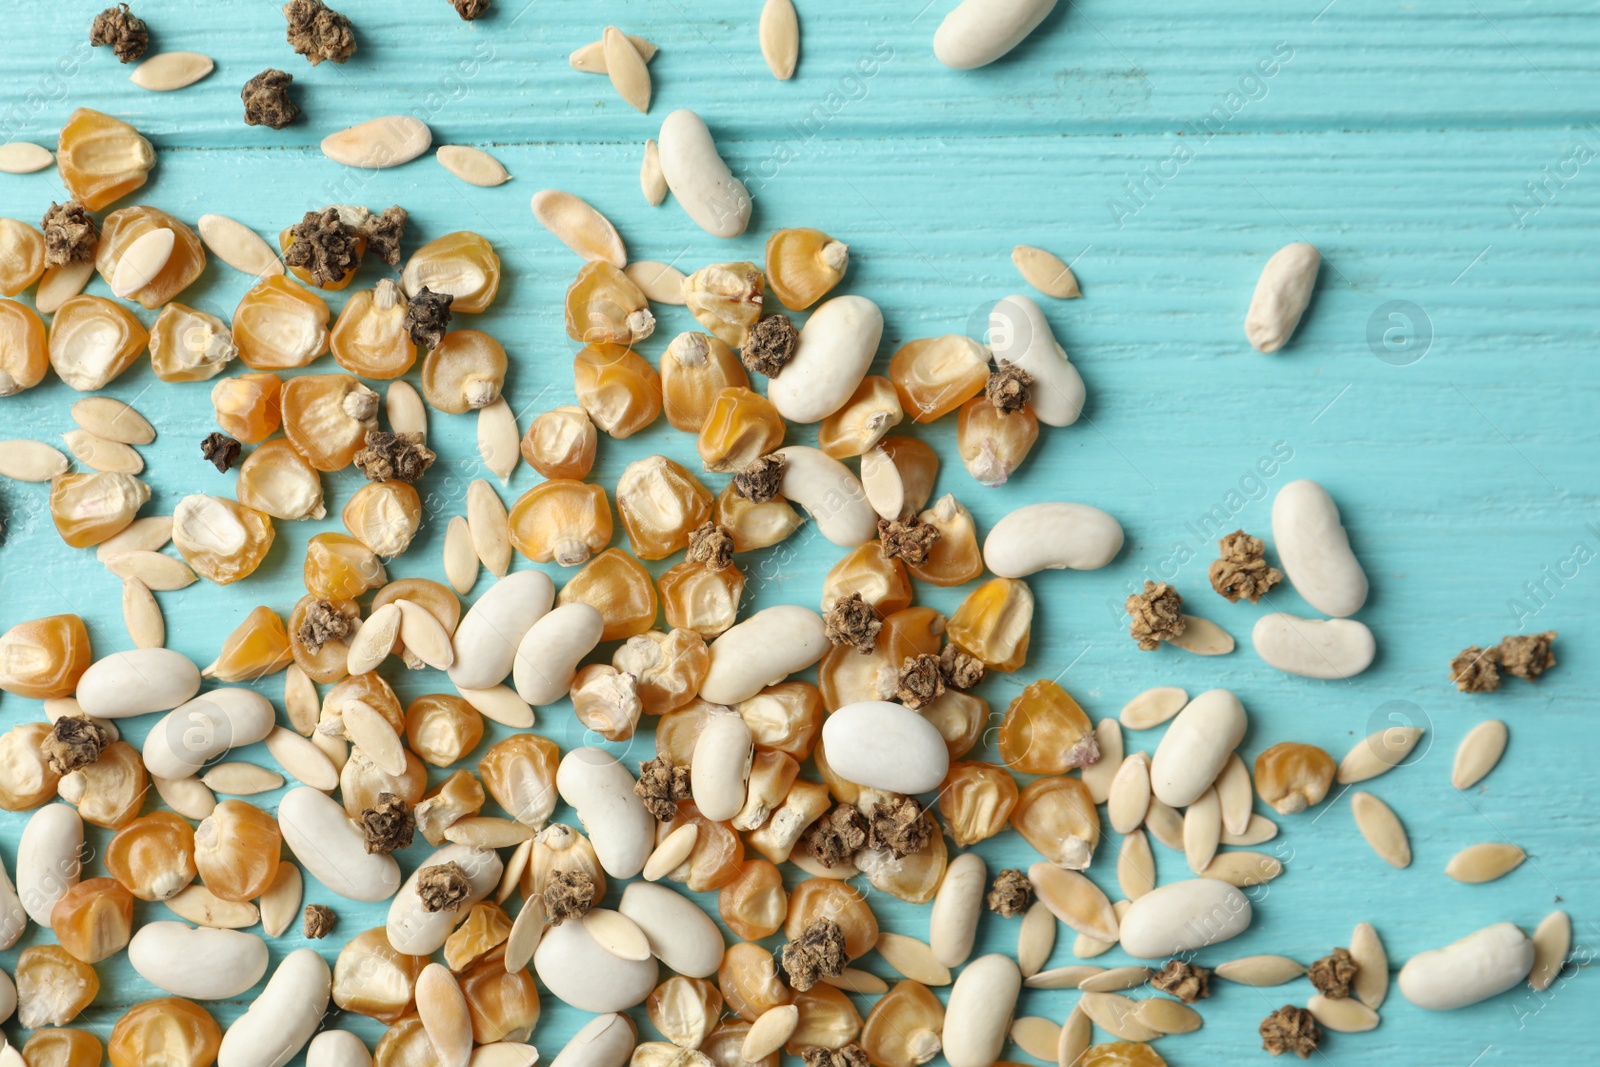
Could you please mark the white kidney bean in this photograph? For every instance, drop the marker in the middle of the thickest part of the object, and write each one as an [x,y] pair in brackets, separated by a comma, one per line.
[604,1041]
[826,490]
[13,916]
[1314,648]
[1020,334]
[833,353]
[280,1021]
[1054,535]
[953,920]
[982,1002]
[200,963]
[600,789]
[700,180]
[581,973]
[1480,965]
[549,654]
[199,730]
[1315,549]
[416,931]
[1196,746]
[680,933]
[882,745]
[332,849]
[720,766]
[486,640]
[337,1048]
[763,650]
[1281,296]
[1181,916]
[978,32]
[49,859]
[136,682]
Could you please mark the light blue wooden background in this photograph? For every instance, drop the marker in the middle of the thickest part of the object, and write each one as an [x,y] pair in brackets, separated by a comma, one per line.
[1401,139]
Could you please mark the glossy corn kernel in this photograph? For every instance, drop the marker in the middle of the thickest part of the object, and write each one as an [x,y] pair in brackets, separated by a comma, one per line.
[667,667]
[484,928]
[324,662]
[93,920]
[559,848]
[277,480]
[153,856]
[755,903]
[187,345]
[786,718]
[866,418]
[286,238]
[166,1032]
[770,778]
[442,728]
[362,783]
[369,338]
[740,427]
[1293,777]
[462,264]
[684,1010]
[899,473]
[384,516]
[220,539]
[976,800]
[102,159]
[677,731]
[605,307]
[882,581]
[803,265]
[339,567]
[724,1046]
[660,504]
[405,1044]
[24,348]
[619,588]
[605,701]
[257,647]
[562,520]
[27,779]
[717,853]
[109,791]
[619,390]
[464,373]
[371,690]
[520,773]
[1046,732]
[994,623]
[88,508]
[126,225]
[696,596]
[43,658]
[827,1020]
[804,804]
[93,340]
[903,1027]
[955,558]
[504,1005]
[21,256]
[936,375]
[845,676]
[1057,816]
[913,878]
[695,369]
[370,978]
[457,797]
[279,325]
[561,443]
[53,986]
[749,983]
[913,631]
[247,406]
[236,850]
[62,1047]
[327,418]
[959,717]
[754,525]
[725,298]
[993,443]
[829,898]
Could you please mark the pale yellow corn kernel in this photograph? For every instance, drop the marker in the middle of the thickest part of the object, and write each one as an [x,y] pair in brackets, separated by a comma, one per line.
[976,800]
[866,418]
[804,804]
[1046,732]
[93,920]
[696,596]
[695,368]
[936,375]
[236,850]
[21,256]
[903,1027]
[93,340]
[606,701]
[370,978]
[278,480]
[755,903]
[102,159]
[660,503]
[520,773]
[684,1010]
[754,525]
[740,427]
[955,558]
[667,667]
[153,856]
[324,662]
[786,717]
[993,443]
[220,539]
[618,389]
[605,307]
[187,345]
[561,443]
[89,508]
[247,406]
[43,658]
[338,567]
[749,983]
[167,1031]
[461,264]
[442,728]
[458,797]
[327,417]
[559,848]
[280,325]
[24,348]
[53,986]
[464,373]
[1293,777]
[59,1046]
[995,622]
[369,338]
[257,647]
[718,850]
[881,580]
[619,588]
[184,265]
[1057,816]
[725,298]
[803,265]
[561,520]
[384,516]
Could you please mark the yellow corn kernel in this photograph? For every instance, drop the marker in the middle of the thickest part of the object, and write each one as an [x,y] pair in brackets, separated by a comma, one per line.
[152,857]
[327,417]
[257,647]
[286,238]
[786,718]
[59,1046]
[936,375]
[280,325]
[503,1005]
[976,800]
[93,920]
[903,1027]
[53,986]
[605,307]
[42,659]
[619,588]
[520,773]
[740,427]
[166,1032]
[109,791]
[442,728]
[220,539]
[126,225]
[370,978]
[325,661]
[405,1044]
[619,390]
[465,372]
[27,779]
[803,265]
[749,983]
[960,719]
[866,418]
[560,848]
[187,345]
[384,516]
[362,783]
[606,701]
[562,520]
[695,368]
[725,298]
[771,776]
[754,525]
[1046,732]
[277,480]
[827,1020]
[1293,777]
[484,928]
[462,264]
[804,804]
[667,667]
[236,850]
[24,349]
[561,443]
[994,623]
[829,898]
[913,878]
[684,1010]
[1057,816]
[660,504]
[21,256]
[93,340]
[882,581]
[247,406]
[717,853]
[993,443]
[102,159]
[845,676]
[955,558]
[458,797]
[754,904]
[369,338]
[339,567]
[696,596]
[88,508]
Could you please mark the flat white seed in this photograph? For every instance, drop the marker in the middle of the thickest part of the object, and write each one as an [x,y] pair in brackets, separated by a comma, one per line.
[780,40]
[1046,272]
[626,68]
[113,420]
[511,876]
[1243,869]
[283,1017]
[672,851]
[489,524]
[1164,824]
[1552,942]
[1381,828]
[1099,775]
[160,573]
[579,971]
[1074,900]
[171,70]
[1202,637]
[460,557]
[304,761]
[1236,794]
[1115,1014]
[1202,830]
[30,461]
[280,904]
[99,454]
[300,701]
[700,180]
[1116,979]
[372,644]
[526,930]
[487,831]
[498,438]
[1282,293]
[1180,916]
[1166,1016]
[1129,797]
[1371,983]
[403,405]
[424,636]
[24,157]
[241,779]
[1314,548]
[367,729]
[472,165]
[1136,865]
[852,980]
[1260,970]
[617,934]
[1054,535]
[913,959]
[1342,1015]
[1478,753]
[978,32]
[1196,747]
[768,1033]
[379,143]
[591,58]
[1484,862]
[188,797]
[201,963]
[1035,1035]
[1036,939]
[149,534]
[1478,966]
[60,284]
[199,905]
[1076,1034]
[239,246]
[142,615]
[1019,333]
[500,703]
[579,226]
[1314,648]
[981,1005]
[1062,977]
[1378,753]
[1153,707]
[953,919]
[652,182]
[142,261]
[661,283]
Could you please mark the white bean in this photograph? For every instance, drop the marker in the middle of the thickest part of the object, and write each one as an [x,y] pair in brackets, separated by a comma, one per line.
[830,493]
[833,353]
[982,1002]
[280,1021]
[137,681]
[700,181]
[1054,535]
[978,32]
[1019,334]
[548,656]
[1315,549]
[681,935]
[49,859]
[13,917]
[414,930]
[332,849]
[337,1048]
[200,963]
[1196,747]
[1314,648]
[763,650]
[581,973]
[604,1041]
[1181,916]
[486,640]
[1281,296]
[600,790]
[953,920]
[199,730]
[1480,965]
[882,745]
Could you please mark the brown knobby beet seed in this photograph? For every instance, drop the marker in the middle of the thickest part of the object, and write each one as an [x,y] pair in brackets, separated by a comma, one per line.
[761,480]
[1010,894]
[1333,973]
[389,825]
[837,836]
[817,954]
[712,545]
[1183,980]
[323,623]
[1476,670]
[1527,656]
[849,1056]
[427,317]
[852,621]
[921,682]
[266,100]
[394,457]
[70,234]
[384,233]
[661,785]
[318,32]
[443,887]
[316,921]
[1009,387]
[895,824]
[221,451]
[769,345]
[124,31]
[1241,570]
[908,539]
[567,895]
[1157,615]
[74,742]
[470,9]
[322,246]
[961,669]
[1290,1029]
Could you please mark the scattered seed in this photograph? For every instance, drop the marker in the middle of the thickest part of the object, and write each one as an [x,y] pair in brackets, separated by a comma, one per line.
[1136,865]
[855,981]
[1202,637]
[472,165]
[1037,1036]
[188,797]
[162,574]
[142,615]
[23,157]
[1484,862]
[1116,1014]
[1552,942]
[661,283]
[1076,1034]
[780,45]
[1164,824]
[202,907]
[302,759]
[1068,977]
[511,876]
[651,180]
[1129,798]
[1074,900]
[1257,831]
[1167,1016]
[368,730]
[143,260]
[1478,753]
[501,704]
[498,438]
[671,852]
[1202,830]
[239,246]
[1371,983]
[1036,939]
[1099,775]
[30,461]
[579,226]
[404,408]
[445,1015]
[1382,829]
[1243,869]
[768,1033]
[61,284]
[591,58]
[1378,753]
[280,904]
[1045,271]
[1116,979]
[489,526]
[460,557]
[1260,970]
[241,779]
[1344,1015]
[629,74]
[99,454]
[1153,707]
[379,143]
[171,70]
[912,958]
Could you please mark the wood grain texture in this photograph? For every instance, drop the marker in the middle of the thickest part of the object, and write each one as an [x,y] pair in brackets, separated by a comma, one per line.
[1400,140]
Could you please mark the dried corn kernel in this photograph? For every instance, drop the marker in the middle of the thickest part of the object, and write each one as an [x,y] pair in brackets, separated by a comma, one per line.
[370,978]
[696,596]
[52,986]
[93,920]
[915,877]
[695,369]
[960,719]
[247,406]
[685,1010]
[153,856]
[88,508]
[277,480]
[442,728]
[994,623]
[1046,732]
[187,345]
[219,538]
[362,783]
[62,1047]
[866,418]
[109,791]
[976,800]
[725,298]
[754,904]
[280,325]
[754,525]
[619,588]
[462,265]
[1057,816]
[843,903]
[559,848]
[503,1005]
[327,417]
[936,375]
[384,516]
[993,443]
[339,567]
[318,625]
[24,348]
[43,658]
[21,256]
[667,667]
[369,338]
[126,225]
[102,159]
[717,853]
[1293,777]
[740,427]
[605,307]
[464,372]
[903,1027]
[786,718]
[827,1020]
[457,797]
[405,1044]
[484,928]
[805,802]
[257,647]
[803,265]
[749,983]
[236,850]
[27,776]
[520,773]
[899,472]
[954,558]
[93,340]
[660,504]
[619,390]
[882,581]
[166,1032]
[562,520]
[606,701]
[677,731]
[561,443]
